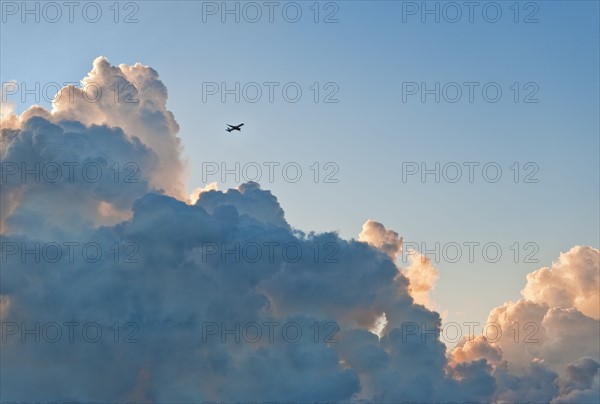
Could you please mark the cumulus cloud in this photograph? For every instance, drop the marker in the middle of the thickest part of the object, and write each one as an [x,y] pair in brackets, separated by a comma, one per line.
[117,115]
[473,348]
[215,297]
[572,281]
[90,174]
[422,276]
[379,237]
[176,288]
[8,118]
[132,98]
[195,195]
[421,273]
[248,199]
[552,329]
[548,349]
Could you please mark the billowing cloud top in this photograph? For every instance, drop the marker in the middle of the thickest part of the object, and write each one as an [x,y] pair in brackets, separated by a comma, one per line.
[115,122]
[221,300]
[571,282]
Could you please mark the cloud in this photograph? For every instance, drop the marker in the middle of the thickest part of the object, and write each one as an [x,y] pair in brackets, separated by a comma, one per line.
[8,119]
[134,99]
[195,195]
[216,297]
[376,235]
[4,306]
[248,199]
[115,122]
[422,276]
[572,281]
[421,273]
[90,174]
[173,292]
[548,349]
[552,329]
[470,349]
[580,375]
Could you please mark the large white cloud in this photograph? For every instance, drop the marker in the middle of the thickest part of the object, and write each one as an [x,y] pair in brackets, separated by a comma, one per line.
[546,341]
[572,281]
[116,118]
[195,266]
[134,99]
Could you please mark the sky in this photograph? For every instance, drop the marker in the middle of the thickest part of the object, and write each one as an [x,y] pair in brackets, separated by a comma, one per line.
[369,95]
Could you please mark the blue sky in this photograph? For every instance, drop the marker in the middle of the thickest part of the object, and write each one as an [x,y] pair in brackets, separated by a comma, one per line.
[370,132]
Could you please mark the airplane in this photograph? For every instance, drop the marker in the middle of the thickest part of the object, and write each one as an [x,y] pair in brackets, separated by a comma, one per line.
[234,127]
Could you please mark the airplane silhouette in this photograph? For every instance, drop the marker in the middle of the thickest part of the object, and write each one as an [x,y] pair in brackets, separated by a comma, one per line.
[234,127]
